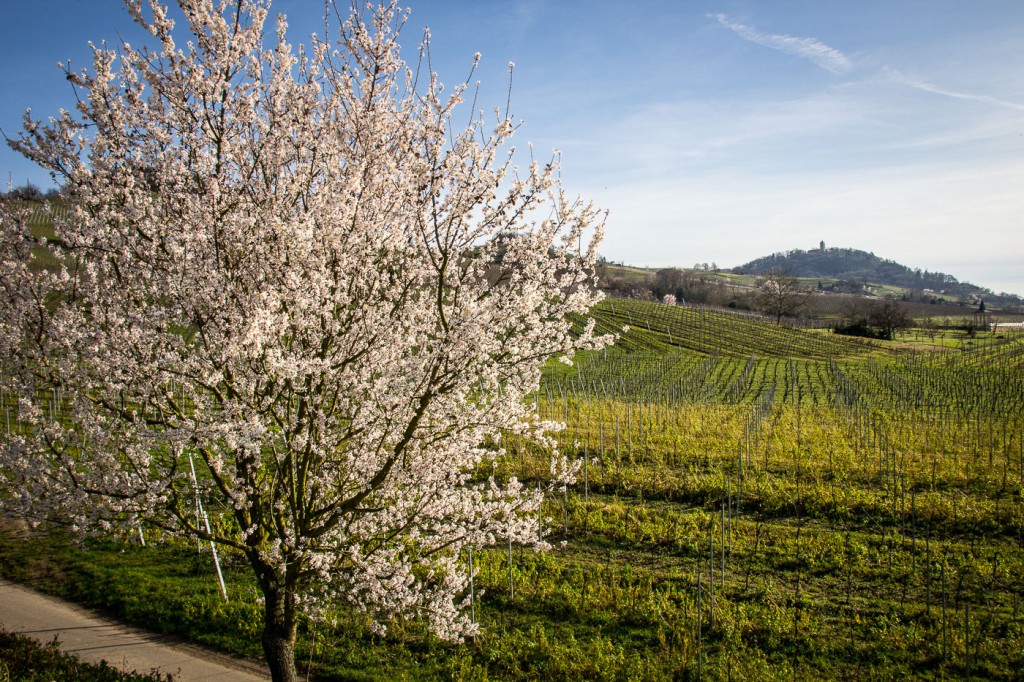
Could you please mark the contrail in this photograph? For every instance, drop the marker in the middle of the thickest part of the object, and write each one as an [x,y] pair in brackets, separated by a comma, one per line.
[934,89]
[811,49]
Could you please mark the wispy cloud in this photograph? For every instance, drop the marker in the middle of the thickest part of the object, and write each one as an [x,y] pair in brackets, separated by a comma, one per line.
[924,86]
[811,49]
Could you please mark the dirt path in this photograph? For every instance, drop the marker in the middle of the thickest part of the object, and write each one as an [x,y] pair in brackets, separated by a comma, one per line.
[93,638]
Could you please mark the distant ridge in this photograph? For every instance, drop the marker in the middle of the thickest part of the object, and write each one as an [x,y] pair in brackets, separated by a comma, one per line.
[860,267]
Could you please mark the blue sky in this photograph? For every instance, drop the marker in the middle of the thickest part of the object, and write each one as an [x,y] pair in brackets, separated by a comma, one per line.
[714,131]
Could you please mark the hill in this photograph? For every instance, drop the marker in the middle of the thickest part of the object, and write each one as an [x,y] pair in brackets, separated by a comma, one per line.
[853,268]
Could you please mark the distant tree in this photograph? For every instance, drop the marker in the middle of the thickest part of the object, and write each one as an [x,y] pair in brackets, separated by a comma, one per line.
[853,319]
[685,285]
[668,299]
[28,192]
[779,294]
[873,319]
[887,317]
[669,281]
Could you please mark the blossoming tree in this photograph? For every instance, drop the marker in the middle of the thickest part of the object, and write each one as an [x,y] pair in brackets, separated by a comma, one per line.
[292,269]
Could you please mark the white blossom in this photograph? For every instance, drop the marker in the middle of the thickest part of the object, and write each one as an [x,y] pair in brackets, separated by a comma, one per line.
[285,264]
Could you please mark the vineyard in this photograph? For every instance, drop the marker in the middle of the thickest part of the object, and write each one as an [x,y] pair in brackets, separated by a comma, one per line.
[792,503]
[752,502]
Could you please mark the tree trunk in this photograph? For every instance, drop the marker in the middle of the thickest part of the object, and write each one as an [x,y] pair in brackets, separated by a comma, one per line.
[279,633]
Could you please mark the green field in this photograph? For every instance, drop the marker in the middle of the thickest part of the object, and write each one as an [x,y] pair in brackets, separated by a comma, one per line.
[754,502]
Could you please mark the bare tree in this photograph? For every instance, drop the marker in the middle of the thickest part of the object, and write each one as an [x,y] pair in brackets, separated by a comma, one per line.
[780,294]
[873,319]
[887,317]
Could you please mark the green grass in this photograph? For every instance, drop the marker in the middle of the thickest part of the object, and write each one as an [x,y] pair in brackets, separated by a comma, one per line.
[26,660]
[874,523]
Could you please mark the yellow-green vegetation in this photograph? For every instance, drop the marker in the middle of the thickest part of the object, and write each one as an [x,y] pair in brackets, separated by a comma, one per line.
[752,502]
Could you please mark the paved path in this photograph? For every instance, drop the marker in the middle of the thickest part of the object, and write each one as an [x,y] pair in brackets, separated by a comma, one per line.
[94,638]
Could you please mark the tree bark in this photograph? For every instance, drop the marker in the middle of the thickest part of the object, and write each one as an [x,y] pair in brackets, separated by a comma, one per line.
[279,632]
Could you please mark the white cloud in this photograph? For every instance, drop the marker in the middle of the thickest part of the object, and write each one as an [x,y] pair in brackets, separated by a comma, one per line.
[811,49]
[924,86]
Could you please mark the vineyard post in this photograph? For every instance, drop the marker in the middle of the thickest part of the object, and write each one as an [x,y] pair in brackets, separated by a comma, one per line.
[522,457]
[942,578]
[903,511]
[540,515]
[991,440]
[799,399]
[511,584]
[618,454]
[729,499]
[913,527]
[967,637]
[711,573]
[700,652]
[723,548]
[586,475]
[629,430]
[206,521]
[739,468]
[928,570]
[565,508]
[472,591]
[195,485]
[1006,455]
